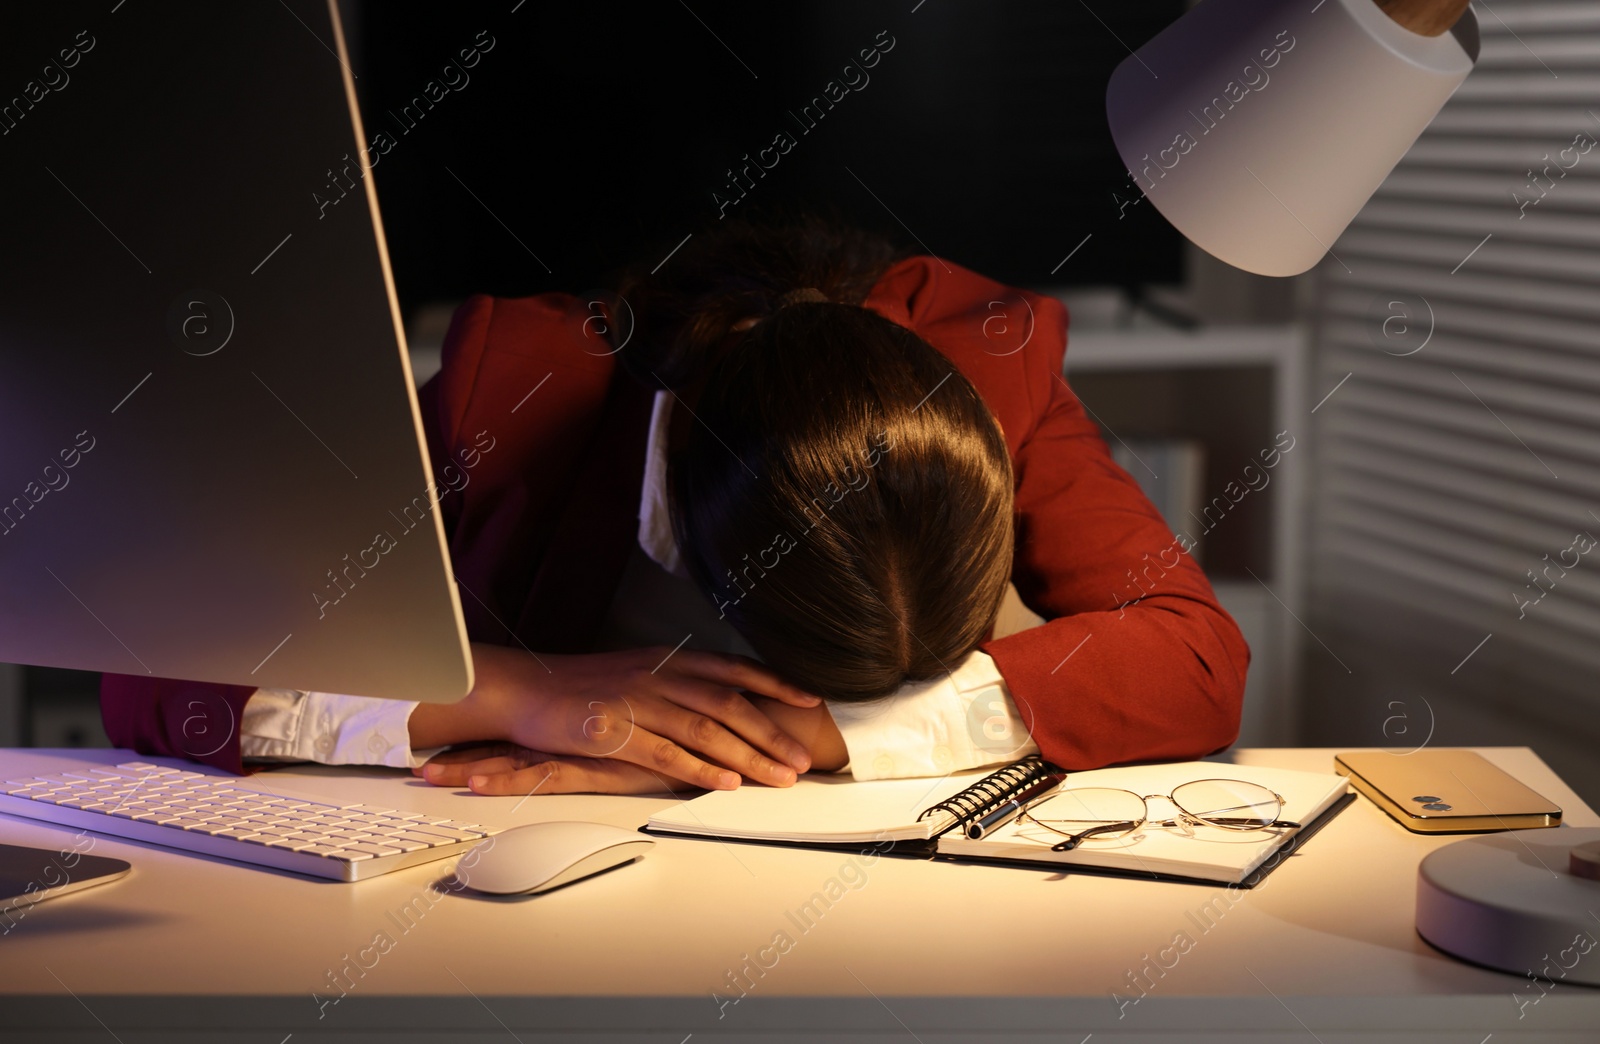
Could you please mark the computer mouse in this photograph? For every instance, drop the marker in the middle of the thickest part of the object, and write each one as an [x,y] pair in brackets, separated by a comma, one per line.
[537,857]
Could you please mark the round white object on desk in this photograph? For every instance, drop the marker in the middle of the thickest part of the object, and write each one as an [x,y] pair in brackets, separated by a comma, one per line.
[1584,860]
[1510,901]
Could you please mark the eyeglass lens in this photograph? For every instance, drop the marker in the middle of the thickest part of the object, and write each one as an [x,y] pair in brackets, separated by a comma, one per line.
[1228,803]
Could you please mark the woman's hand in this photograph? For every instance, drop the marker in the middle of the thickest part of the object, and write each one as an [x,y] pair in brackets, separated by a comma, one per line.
[812,726]
[506,768]
[680,715]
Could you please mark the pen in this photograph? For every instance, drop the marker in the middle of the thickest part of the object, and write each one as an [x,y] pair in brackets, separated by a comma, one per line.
[1015,807]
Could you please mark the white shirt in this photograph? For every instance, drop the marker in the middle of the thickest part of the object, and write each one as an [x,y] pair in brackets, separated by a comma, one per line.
[963,720]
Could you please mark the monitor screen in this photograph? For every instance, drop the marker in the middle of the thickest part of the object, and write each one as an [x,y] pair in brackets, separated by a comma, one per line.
[211,459]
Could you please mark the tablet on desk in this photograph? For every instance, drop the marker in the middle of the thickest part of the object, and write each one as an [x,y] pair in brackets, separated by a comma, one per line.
[28,875]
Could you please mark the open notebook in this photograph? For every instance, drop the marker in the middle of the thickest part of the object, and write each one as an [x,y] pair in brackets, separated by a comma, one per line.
[930,816]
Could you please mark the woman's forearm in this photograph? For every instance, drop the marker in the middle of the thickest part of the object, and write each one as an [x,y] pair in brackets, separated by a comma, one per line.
[477,717]
[446,724]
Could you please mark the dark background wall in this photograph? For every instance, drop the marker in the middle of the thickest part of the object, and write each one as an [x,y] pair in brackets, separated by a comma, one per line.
[596,133]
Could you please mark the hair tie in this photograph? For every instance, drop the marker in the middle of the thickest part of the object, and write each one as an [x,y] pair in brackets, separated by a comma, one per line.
[801,296]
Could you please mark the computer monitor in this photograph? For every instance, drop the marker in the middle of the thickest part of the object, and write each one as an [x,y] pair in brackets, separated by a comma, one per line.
[212,464]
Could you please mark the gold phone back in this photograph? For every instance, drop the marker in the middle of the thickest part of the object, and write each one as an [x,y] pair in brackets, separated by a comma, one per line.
[1446,791]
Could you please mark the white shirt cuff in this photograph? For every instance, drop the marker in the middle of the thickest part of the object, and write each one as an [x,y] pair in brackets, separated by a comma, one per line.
[964,720]
[294,725]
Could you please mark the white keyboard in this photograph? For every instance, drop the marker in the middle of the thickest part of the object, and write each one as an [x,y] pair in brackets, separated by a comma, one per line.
[217,816]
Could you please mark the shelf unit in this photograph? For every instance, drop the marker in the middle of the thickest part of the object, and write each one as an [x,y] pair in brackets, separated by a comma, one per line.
[1233,388]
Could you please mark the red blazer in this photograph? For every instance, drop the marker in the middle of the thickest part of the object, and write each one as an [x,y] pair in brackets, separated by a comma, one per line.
[540,533]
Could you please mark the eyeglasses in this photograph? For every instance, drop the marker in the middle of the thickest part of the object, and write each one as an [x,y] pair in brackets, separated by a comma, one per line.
[1105,814]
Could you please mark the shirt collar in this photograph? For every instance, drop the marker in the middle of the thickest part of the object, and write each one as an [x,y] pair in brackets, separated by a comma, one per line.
[655,523]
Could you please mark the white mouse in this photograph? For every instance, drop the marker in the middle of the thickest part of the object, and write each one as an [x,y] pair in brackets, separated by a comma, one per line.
[537,857]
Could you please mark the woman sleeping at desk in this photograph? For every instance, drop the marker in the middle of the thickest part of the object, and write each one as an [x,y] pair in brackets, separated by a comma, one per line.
[790,464]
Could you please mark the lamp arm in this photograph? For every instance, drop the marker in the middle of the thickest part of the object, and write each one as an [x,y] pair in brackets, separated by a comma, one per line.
[1424,17]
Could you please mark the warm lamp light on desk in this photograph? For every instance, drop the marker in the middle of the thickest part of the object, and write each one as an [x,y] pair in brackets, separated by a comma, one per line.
[1259,128]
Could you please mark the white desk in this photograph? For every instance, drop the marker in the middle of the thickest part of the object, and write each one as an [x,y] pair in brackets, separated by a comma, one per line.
[947,952]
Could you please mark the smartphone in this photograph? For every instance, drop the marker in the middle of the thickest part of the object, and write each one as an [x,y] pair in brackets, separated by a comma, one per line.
[1446,791]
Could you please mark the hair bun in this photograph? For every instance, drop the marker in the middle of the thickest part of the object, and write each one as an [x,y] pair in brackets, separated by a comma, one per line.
[801,296]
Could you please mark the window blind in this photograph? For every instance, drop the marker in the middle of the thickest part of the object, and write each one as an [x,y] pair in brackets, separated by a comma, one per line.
[1458,467]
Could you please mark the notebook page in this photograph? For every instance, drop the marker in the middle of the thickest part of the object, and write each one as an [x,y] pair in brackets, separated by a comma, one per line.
[818,808]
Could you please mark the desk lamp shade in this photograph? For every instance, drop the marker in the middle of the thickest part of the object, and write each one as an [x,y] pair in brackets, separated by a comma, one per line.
[1259,128]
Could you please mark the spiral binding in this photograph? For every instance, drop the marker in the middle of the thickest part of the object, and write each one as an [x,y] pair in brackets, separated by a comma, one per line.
[991,790]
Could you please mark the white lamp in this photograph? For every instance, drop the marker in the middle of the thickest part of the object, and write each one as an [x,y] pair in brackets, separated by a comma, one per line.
[1259,128]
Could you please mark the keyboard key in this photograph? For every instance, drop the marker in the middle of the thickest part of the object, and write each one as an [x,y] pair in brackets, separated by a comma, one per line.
[350,855]
[158,818]
[476,828]
[321,850]
[22,787]
[404,844]
[448,833]
[371,849]
[431,840]
[274,832]
[293,844]
[180,793]
[346,815]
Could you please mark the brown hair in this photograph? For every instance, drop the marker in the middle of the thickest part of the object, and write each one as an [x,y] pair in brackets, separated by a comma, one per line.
[844,496]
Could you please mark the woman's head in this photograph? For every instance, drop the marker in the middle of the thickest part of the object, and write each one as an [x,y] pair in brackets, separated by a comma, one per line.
[843,495]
